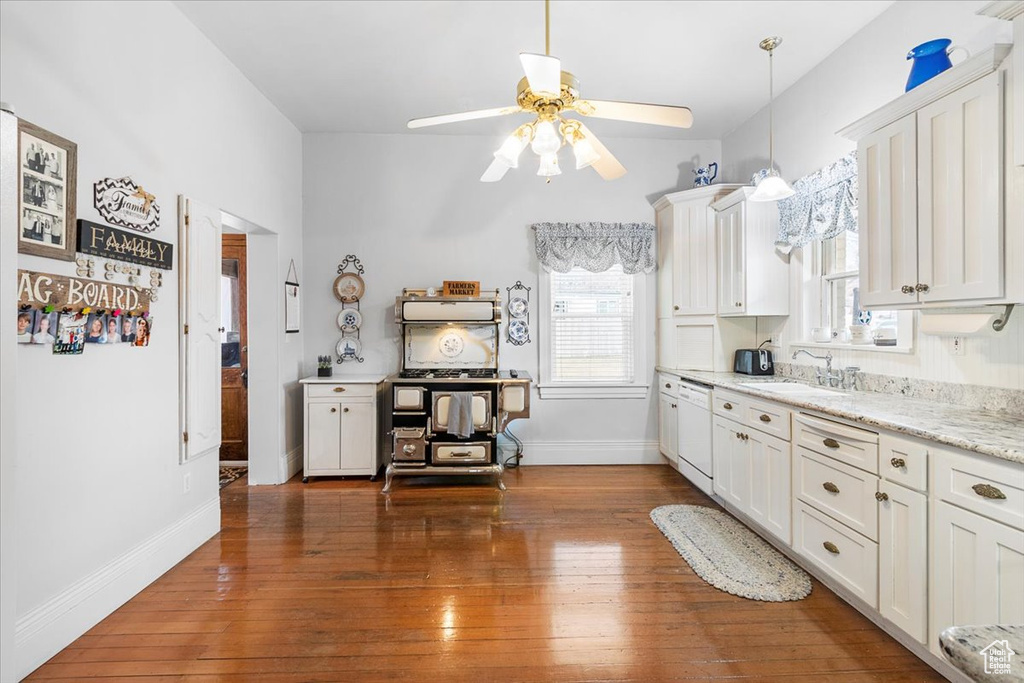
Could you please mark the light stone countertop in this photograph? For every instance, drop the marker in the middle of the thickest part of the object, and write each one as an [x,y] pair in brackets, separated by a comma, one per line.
[345,379]
[1000,435]
[963,646]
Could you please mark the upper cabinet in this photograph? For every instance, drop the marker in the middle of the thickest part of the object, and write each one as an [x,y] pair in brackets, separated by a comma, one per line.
[938,222]
[753,278]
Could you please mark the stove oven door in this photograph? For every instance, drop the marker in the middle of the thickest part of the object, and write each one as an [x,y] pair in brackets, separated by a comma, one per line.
[481,410]
[409,399]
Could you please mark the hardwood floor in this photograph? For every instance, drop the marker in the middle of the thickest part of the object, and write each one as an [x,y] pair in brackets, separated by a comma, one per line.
[561,578]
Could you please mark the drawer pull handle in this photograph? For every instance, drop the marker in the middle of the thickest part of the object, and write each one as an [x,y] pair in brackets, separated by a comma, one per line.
[881,497]
[460,454]
[898,463]
[830,487]
[989,491]
[765,418]
[831,443]
[831,547]
[338,390]
[727,405]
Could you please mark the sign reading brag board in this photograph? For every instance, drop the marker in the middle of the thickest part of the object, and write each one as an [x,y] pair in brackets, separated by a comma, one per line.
[59,291]
[108,242]
[461,288]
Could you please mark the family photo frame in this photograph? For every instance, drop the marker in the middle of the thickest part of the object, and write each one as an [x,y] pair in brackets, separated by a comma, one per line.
[47,185]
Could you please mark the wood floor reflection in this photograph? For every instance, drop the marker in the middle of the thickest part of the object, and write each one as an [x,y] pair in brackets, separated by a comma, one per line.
[561,578]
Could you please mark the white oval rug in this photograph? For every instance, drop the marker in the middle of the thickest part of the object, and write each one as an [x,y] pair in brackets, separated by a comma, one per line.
[729,556]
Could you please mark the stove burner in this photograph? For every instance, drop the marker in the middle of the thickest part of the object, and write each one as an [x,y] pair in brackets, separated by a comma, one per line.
[450,373]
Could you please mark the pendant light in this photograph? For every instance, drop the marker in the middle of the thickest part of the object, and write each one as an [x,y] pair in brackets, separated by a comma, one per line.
[771,188]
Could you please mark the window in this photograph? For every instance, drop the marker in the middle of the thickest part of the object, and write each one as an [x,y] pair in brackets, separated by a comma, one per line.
[593,334]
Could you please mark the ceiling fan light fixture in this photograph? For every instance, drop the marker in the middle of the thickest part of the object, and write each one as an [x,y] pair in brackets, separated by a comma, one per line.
[545,139]
[549,165]
[584,151]
[513,147]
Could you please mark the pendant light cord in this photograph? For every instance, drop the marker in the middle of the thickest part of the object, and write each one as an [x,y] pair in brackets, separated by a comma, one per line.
[547,27]
[771,111]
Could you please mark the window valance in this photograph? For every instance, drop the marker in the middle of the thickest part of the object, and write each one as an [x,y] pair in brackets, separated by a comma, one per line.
[596,246]
[825,204]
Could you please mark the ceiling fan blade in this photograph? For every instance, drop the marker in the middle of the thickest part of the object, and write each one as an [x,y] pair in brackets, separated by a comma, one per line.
[464,116]
[495,172]
[543,73]
[656,114]
[608,167]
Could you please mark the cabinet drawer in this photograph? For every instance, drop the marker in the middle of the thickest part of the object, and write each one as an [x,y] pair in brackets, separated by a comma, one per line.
[732,406]
[904,461]
[770,418]
[845,555]
[857,447]
[340,391]
[667,383]
[990,487]
[461,453]
[840,491]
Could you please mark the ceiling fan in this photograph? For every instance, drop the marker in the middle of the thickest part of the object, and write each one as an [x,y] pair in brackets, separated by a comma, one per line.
[547,93]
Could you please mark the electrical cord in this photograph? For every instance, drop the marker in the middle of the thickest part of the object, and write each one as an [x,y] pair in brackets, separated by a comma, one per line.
[508,463]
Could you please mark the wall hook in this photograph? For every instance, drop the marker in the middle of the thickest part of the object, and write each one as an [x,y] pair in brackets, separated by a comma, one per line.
[999,323]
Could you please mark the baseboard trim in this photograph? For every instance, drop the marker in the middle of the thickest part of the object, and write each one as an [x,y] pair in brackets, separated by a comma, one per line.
[291,463]
[589,453]
[47,629]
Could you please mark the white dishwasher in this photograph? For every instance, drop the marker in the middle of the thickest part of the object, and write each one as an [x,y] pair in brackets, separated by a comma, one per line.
[694,435]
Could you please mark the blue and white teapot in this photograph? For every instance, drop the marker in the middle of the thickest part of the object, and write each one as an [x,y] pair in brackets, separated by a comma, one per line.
[704,175]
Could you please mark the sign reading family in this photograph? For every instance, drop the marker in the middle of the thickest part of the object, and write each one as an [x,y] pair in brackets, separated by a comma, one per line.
[59,291]
[102,240]
[121,202]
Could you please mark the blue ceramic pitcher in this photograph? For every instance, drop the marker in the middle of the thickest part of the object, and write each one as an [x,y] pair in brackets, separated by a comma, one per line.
[930,59]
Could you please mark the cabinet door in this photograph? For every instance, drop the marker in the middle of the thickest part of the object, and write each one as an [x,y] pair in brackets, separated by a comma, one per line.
[887,215]
[769,463]
[666,264]
[960,218]
[731,290]
[324,436]
[977,571]
[695,271]
[667,428]
[903,559]
[723,440]
[357,442]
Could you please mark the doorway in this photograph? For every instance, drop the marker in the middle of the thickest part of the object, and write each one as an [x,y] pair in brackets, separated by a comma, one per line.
[234,366]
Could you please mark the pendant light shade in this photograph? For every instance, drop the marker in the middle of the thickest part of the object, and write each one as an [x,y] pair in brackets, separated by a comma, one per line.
[772,187]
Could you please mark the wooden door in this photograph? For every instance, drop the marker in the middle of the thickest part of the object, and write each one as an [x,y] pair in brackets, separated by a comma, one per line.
[199,284]
[960,212]
[887,175]
[903,559]
[234,365]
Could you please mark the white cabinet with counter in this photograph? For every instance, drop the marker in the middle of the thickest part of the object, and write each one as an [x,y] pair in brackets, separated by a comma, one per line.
[341,418]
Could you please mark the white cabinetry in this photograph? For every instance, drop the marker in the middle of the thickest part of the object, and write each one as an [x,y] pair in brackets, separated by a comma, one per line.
[753,279]
[340,428]
[668,434]
[903,558]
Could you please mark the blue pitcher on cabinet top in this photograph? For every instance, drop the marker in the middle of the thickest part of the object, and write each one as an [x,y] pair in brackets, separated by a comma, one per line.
[703,175]
[930,59]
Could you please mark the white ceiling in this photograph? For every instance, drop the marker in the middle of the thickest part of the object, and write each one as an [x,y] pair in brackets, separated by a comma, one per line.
[368,67]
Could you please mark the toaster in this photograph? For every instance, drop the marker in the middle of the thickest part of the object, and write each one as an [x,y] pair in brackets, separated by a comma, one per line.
[754,362]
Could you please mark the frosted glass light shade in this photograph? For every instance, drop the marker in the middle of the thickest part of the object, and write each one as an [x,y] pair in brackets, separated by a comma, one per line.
[585,153]
[772,188]
[549,165]
[510,150]
[546,140]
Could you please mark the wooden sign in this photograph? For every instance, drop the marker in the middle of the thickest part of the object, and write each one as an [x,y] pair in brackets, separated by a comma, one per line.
[121,202]
[103,240]
[461,288]
[59,291]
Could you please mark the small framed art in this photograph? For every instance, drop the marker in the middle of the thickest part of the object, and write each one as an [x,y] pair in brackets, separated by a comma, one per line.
[47,177]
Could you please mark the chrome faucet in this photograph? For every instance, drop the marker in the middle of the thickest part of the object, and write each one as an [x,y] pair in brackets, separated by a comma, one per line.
[826,377]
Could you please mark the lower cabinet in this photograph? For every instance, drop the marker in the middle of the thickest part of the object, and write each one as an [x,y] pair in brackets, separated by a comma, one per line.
[668,429]
[340,434]
[977,571]
[842,553]
[903,558]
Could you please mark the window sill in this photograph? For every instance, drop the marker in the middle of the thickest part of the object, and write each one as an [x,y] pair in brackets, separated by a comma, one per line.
[569,391]
[852,347]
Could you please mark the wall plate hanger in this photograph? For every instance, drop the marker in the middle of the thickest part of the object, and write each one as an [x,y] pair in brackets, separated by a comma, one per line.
[349,288]
[518,306]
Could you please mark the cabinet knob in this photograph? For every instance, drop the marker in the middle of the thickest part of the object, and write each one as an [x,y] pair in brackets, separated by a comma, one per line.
[739,303]
[898,463]
[907,289]
[338,390]
[727,405]
[830,487]
[674,405]
[738,435]
[831,443]
[344,410]
[921,287]
[881,497]
[334,410]
[408,449]
[675,308]
[668,385]
[765,418]
[831,547]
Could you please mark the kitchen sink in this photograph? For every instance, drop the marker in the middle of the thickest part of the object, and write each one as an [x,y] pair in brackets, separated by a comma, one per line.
[791,388]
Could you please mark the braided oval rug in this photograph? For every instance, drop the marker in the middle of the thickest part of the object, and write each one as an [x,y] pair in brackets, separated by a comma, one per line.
[729,556]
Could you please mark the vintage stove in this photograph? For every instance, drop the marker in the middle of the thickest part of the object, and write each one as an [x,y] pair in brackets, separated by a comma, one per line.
[450,344]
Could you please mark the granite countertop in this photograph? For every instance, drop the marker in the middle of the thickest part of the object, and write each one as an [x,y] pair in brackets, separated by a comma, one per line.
[963,646]
[1000,435]
[345,379]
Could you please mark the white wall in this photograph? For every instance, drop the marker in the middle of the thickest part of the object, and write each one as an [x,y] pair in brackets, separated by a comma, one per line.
[866,72]
[98,484]
[411,207]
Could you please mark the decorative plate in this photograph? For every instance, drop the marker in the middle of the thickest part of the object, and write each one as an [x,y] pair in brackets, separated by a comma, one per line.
[518,331]
[348,347]
[349,287]
[350,320]
[451,344]
[517,307]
